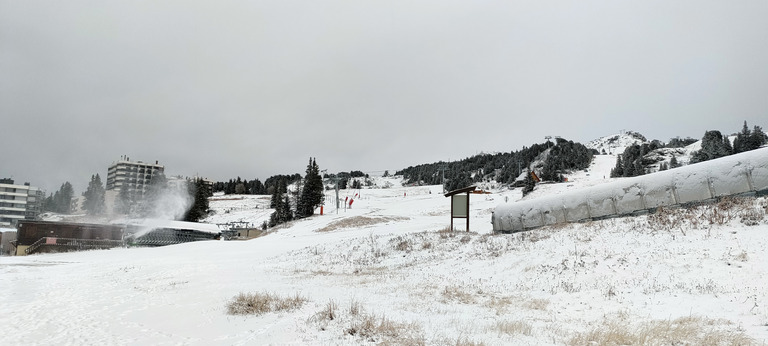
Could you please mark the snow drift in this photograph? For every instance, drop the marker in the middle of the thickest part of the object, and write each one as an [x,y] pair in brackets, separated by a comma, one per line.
[742,173]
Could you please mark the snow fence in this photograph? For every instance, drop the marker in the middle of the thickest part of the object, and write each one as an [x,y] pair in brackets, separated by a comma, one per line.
[743,173]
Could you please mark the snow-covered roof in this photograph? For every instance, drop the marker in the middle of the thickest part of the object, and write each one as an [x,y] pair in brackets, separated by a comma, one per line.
[158,223]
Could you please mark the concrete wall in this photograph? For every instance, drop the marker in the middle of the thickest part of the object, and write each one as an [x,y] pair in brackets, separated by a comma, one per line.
[6,249]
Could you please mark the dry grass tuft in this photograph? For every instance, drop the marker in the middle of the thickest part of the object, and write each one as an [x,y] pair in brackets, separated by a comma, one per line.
[513,328]
[466,342]
[446,232]
[355,308]
[261,303]
[537,304]
[328,313]
[499,304]
[681,331]
[382,330]
[458,294]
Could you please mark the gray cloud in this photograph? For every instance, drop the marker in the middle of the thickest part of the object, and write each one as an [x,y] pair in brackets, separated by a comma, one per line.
[253,88]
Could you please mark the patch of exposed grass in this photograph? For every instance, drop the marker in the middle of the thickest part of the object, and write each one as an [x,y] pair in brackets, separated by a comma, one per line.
[359,222]
[499,304]
[261,303]
[382,330]
[458,294]
[681,331]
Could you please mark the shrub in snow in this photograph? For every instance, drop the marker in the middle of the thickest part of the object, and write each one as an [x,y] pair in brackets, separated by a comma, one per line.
[261,303]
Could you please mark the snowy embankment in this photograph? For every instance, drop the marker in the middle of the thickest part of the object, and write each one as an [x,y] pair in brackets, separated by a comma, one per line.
[727,176]
[387,271]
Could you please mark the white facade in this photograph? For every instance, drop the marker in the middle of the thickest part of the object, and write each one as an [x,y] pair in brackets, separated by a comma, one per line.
[18,202]
[133,175]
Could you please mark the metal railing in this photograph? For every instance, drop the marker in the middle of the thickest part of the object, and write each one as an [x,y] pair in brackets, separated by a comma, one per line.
[78,244]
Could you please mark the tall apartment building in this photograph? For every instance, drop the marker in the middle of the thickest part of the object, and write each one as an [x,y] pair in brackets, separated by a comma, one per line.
[132,175]
[19,202]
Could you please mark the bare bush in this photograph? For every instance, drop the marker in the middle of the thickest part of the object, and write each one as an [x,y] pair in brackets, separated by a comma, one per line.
[261,303]
[402,244]
[666,219]
[446,233]
[752,216]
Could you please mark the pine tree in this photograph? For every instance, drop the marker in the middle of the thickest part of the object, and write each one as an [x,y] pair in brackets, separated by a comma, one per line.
[276,197]
[240,189]
[529,184]
[742,139]
[200,208]
[124,201]
[758,138]
[285,210]
[618,169]
[312,192]
[56,202]
[274,218]
[712,146]
[727,147]
[48,204]
[673,162]
[62,200]
[94,196]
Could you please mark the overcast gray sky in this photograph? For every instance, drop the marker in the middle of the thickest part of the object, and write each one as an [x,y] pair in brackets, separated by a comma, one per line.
[254,88]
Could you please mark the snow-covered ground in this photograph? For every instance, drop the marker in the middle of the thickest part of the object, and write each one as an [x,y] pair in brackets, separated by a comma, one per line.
[388,271]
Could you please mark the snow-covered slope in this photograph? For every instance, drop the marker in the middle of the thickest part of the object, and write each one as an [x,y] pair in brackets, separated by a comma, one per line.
[615,144]
[390,275]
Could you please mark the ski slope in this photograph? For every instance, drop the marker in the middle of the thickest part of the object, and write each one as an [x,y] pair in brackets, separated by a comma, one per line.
[390,256]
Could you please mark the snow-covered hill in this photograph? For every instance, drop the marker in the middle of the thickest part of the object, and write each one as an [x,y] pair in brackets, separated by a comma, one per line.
[615,144]
[389,272]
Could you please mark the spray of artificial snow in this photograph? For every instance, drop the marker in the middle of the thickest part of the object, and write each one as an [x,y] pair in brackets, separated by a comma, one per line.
[171,203]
